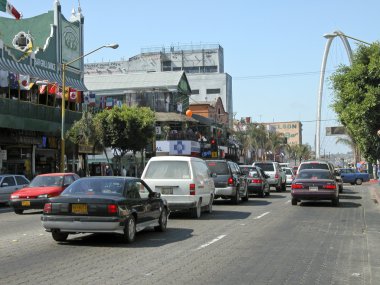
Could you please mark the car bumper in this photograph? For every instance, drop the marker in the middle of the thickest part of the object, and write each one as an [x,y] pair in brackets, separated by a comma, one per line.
[224,192]
[254,189]
[26,204]
[309,195]
[180,202]
[273,181]
[82,224]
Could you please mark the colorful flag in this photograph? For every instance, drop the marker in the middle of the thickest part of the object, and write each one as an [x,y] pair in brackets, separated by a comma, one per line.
[5,6]
[23,81]
[13,82]
[52,89]
[79,97]
[3,78]
[42,89]
[73,95]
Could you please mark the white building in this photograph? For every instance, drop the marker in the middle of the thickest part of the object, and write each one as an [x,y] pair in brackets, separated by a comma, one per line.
[203,64]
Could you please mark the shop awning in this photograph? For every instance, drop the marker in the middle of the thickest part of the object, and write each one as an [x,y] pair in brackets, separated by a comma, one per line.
[41,74]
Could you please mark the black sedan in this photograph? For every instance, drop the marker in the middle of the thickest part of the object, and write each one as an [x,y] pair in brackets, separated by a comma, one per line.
[119,205]
[315,184]
[256,180]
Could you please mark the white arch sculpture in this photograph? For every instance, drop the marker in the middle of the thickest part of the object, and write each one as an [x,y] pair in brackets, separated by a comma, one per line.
[330,38]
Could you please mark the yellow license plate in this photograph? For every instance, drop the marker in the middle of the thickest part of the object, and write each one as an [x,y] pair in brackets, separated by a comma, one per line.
[25,203]
[79,208]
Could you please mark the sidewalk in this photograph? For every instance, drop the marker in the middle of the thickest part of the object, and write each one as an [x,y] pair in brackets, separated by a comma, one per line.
[375,191]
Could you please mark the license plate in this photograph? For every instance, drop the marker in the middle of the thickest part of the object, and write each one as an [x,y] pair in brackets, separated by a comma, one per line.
[313,188]
[79,208]
[25,203]
[167,191]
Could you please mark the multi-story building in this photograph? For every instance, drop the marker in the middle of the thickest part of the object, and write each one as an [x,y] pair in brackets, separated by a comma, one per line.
[203,64]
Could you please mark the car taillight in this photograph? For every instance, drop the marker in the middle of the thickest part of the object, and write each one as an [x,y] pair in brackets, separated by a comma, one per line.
[192,189]
[257,181]
[230,181]
[330,186]
[297,186]
[112,209]
[276,176]
[47,208]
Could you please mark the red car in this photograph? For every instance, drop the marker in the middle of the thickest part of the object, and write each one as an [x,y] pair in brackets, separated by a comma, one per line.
[40,189]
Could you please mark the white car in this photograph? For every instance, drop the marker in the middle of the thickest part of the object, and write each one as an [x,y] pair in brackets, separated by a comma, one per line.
[277,175]
[185,182]
[289,175]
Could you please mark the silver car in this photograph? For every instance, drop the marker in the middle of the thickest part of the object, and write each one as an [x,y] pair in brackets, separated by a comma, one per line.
[9,183]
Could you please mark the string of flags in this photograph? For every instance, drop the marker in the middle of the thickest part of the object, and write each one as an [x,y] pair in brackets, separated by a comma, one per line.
[6,6]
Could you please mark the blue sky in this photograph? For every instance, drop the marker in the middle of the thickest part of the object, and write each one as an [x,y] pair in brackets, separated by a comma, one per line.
[273,49]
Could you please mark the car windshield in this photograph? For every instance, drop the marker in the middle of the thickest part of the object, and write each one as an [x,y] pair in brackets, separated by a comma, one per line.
[168,170]
[98,186]
[218,167]
[265,166]
[46,181]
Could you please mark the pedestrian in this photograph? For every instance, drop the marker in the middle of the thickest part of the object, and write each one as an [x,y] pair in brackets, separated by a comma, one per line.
[124,171]
[108,170]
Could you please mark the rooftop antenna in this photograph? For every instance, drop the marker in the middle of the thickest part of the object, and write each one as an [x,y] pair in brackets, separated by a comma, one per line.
[79,8]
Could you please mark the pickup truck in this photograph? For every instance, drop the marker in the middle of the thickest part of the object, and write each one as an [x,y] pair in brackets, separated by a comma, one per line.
[352,176]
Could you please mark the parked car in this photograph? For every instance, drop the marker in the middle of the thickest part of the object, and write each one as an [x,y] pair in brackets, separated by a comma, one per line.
[105,204]
[229,180]
[9,183]
[315,184]
[320,164]
[352,176]
[185,182]
[289,175]
[277,177]
[256,180]
[40,189]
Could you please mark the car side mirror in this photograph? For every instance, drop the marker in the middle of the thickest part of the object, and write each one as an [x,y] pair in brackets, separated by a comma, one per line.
[154,195]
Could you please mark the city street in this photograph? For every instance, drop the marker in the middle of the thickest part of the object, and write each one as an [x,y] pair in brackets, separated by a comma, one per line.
[263,241]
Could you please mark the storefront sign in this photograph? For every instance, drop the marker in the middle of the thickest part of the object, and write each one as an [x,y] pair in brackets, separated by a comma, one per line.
[179,147]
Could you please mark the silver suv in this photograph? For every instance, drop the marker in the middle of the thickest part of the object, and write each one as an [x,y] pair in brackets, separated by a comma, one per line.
[9,183]
[277,174]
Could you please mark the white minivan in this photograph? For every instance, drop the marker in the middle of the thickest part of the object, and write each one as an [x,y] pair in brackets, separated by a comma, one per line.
[185,182]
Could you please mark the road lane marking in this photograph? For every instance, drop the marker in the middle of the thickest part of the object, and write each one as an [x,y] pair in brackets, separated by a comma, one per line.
[262,215]
[287,202]
[211,242]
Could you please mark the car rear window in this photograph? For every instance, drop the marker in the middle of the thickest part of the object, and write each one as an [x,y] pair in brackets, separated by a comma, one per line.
[168,170]
[314,175]
[314,166]
[95,186]
[288,172]
[218,167]
[265,166]
[247,169]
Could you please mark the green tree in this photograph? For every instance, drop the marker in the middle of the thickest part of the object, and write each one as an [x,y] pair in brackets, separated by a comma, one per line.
[356,99]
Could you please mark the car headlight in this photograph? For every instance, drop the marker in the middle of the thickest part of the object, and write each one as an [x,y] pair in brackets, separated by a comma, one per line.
[43,196]
[14,196]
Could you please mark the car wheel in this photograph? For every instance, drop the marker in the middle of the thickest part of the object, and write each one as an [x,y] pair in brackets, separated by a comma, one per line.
[130,230]
[236,199]
[261,193]
[294,202]
[278,188]
[197,211]
[340,189]
[162,221]
[19,211]
[335,202]
[209,207]
[267,193]
[246,196]
[283,187]
[358,181]
[59,236]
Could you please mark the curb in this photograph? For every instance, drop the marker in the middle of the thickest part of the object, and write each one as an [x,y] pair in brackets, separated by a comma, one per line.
[375,196]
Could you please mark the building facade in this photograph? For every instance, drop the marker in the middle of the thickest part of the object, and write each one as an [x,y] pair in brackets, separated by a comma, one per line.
[291,130]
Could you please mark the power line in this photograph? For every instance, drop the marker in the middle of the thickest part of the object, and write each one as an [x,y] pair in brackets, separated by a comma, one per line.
[267,76]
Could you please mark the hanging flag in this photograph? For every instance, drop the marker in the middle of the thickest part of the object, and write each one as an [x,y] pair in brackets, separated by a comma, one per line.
[23,81]
[42,89]
[79,97]
[3,78]
[13,82]
[67,93]
[5,6]
[73,95]
[52,89]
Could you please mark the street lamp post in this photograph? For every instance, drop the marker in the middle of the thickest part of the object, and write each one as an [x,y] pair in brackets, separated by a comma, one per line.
[64,65]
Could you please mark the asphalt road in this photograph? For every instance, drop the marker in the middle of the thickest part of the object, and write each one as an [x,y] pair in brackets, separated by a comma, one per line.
[263,241]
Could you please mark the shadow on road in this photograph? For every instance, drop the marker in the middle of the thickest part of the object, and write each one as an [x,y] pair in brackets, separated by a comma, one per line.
[349,197]
[328,204]
[145,239]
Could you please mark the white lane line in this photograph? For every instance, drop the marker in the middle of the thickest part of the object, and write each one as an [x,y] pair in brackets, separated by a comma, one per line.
[262,215]
[211,242]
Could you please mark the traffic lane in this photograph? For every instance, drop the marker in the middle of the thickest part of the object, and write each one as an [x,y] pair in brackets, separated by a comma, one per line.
[39,256]
[251,241]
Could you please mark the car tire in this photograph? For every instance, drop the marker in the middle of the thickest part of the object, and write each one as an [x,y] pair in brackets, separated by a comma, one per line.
[267,193]
[19,211]
[278,188]
[162,221]
[261,193]
[335,202]
[236,199]
[59,236]
[196,212]
[283,187]
[130,230]
[340,189]
[246,196]
[294,202]
[209,206]
[358,181]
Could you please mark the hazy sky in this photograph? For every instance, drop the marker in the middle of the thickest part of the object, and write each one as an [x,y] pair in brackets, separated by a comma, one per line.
[273,49]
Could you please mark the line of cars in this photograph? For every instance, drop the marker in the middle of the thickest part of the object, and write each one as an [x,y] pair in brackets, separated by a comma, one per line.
[126,205]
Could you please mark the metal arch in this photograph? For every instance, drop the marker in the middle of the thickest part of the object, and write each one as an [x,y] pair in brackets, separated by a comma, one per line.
[330,38]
